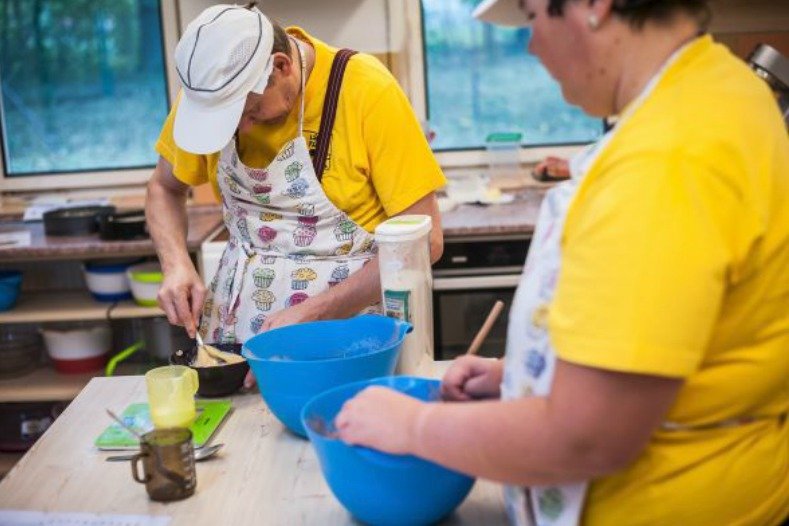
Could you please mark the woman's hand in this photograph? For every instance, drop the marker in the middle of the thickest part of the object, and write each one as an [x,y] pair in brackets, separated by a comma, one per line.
[472,377]
[381,418]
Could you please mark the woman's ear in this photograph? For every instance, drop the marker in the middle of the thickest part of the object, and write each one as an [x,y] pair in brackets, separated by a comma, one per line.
[599,11]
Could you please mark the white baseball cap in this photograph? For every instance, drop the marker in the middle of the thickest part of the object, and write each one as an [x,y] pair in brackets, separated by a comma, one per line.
[502,13]
[224,54]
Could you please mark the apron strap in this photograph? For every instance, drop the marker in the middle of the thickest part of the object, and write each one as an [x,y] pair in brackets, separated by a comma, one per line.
[330,110]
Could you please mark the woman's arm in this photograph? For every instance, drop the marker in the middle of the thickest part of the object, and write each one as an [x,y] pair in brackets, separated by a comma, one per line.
[594,422]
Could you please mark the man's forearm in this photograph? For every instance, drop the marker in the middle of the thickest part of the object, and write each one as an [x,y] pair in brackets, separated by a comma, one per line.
[361,289]
[165,213]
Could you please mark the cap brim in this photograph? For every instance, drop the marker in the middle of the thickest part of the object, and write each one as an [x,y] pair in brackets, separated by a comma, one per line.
[502,13]
[205,130]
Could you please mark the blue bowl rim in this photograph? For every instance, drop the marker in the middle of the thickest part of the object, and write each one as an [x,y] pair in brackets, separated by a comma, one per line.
[10,275]
[246,352]
[404,460]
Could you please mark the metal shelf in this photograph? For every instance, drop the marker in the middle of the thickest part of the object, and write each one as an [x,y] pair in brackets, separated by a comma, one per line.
[72,306]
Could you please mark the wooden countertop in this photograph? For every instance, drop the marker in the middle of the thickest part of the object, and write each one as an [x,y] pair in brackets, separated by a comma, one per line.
[203,220]
[264,474]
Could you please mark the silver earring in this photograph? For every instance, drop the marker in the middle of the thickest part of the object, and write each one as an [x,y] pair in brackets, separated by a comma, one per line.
[593,21]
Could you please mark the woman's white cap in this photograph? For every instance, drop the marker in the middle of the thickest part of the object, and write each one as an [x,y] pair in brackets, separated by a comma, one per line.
[502,13]
[223,55]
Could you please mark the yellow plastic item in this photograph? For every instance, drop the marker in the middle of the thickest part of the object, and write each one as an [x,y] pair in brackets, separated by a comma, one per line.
[171,391]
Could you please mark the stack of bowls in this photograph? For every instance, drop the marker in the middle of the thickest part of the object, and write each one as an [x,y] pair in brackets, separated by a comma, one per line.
[145,280]
[379,488]
[78,348]
[10,283]
[294,363]
[19,350]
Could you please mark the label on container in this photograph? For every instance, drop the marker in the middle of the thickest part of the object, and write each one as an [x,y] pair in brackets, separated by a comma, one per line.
[397,304]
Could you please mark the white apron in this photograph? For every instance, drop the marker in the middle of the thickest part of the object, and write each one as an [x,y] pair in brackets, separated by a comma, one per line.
[530,360]
[288,241]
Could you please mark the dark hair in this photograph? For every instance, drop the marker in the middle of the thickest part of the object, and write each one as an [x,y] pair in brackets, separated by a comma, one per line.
[281,40]
[639,12]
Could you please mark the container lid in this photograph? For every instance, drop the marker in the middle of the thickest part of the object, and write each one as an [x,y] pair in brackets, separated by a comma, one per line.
[403,228]
[146,272]
[504,137]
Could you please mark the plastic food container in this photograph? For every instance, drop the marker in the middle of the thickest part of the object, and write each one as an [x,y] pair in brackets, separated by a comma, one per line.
[107,281]
[407,284]
[503,153]
[145,280]
[10,283]
[78,349]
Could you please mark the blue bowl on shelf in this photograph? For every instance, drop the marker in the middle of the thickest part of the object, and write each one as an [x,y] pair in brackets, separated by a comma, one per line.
[375,487]
[10,283]
[294,363]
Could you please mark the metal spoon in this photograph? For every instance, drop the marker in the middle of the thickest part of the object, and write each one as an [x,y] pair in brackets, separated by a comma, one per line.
[203,453]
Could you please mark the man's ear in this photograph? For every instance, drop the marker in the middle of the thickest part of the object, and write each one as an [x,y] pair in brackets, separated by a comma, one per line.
[282,64]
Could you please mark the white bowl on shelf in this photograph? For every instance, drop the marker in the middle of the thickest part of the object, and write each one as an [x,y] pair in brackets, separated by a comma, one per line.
[107,281]
[78,349]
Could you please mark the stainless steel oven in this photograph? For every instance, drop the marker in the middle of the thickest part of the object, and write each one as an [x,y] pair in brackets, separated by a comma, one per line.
[471,275]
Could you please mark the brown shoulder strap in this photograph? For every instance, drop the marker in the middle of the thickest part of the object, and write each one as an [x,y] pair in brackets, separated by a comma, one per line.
[330,110]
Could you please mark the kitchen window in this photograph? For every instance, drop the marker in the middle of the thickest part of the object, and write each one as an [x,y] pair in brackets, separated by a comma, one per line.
[84,89]
[479,79]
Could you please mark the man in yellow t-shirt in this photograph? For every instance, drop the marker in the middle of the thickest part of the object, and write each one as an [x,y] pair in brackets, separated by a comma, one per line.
[251,92]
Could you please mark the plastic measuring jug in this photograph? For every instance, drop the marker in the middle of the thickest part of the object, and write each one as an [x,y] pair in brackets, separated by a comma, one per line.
[171,392]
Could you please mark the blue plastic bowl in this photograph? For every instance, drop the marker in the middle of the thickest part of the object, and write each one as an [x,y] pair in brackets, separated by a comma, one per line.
[379,488]
[294,363]
[10,282]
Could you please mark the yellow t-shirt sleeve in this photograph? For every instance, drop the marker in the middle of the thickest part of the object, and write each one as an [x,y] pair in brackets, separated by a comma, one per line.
[189,168]
[402,166]
[646,252]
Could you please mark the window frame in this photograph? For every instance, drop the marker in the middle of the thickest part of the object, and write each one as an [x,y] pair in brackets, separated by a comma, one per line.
[415,85]
[81,179]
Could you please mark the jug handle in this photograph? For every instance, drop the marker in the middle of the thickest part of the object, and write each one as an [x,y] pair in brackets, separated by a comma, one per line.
[136,474]
[403,327]
[194,380]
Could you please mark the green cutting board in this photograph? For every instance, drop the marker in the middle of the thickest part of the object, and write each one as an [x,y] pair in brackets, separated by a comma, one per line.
[210,414]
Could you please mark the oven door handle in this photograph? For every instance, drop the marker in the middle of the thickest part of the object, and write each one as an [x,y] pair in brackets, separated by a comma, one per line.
[501,281]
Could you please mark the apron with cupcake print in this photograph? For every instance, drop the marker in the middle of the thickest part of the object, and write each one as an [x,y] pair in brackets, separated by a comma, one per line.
[288,241]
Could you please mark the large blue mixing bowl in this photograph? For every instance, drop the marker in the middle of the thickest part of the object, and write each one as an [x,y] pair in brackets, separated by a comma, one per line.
[294,363]
[378,488]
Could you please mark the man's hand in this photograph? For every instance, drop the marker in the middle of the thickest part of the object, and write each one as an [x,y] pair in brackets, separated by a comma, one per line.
[472,378]
[308,310]
[381,418]
[181,297]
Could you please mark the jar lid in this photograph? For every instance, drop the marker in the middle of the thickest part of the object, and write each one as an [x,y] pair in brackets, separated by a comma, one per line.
[403,228]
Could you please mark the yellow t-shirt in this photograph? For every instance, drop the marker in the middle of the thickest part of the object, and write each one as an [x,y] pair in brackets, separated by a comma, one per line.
[379,161]
[676,263]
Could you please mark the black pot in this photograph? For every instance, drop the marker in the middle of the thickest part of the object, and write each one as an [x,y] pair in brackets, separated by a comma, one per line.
[219,380]
[79,221]
[123,225]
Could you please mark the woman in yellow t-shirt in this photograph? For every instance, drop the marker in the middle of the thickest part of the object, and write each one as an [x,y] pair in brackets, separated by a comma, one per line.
[309,149]
[646,375]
